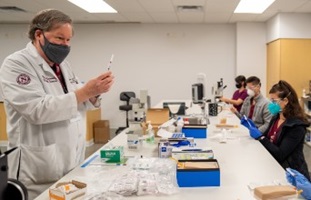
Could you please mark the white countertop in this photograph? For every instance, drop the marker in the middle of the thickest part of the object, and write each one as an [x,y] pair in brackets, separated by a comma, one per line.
[242,161]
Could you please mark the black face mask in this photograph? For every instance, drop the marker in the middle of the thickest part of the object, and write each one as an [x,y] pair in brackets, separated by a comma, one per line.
[55,52]
[238,85]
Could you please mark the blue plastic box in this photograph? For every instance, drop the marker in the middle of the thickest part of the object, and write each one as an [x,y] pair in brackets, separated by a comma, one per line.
[198,177]
[195,131]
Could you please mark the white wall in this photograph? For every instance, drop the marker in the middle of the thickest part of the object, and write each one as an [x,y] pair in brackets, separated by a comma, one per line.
[162,58]
[289,25]
[251,51]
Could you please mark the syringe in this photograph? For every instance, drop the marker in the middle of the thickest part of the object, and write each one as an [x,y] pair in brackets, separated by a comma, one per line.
[110,62]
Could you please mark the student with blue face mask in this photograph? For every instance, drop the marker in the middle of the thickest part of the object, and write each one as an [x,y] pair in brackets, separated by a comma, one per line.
[285,135]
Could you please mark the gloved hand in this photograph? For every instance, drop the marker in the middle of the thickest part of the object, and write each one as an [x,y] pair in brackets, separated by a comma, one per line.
[254,132]
[290,178]
[305,186]
[247,122]
[300,182]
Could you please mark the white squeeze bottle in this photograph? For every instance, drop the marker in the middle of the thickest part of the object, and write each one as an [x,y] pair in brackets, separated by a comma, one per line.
[180,124]
[150,133]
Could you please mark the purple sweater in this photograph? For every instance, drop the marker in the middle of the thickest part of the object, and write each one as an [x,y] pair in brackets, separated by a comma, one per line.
[239,95]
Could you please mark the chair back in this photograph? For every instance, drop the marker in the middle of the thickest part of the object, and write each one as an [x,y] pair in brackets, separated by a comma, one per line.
[125,96]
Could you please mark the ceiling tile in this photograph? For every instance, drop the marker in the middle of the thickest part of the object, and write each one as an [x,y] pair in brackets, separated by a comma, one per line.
[221,5]
[153,11]
[285,5]
[126,5]
[157,6]
[189,2]
[218,17]
[306,7]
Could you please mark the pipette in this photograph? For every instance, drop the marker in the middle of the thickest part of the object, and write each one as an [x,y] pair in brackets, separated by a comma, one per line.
[110,62]
[247,120]
[290,172]
[294,179]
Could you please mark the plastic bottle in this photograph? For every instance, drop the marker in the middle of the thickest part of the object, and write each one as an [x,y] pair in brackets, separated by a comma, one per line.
[180,124]
[150,133]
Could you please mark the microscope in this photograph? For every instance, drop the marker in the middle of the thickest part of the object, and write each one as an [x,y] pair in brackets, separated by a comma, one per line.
[217,90]
[140,106]
[10,188]
[139,110]
[198,95]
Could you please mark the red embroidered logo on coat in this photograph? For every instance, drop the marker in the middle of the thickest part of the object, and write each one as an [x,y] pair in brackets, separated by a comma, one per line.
[23,79]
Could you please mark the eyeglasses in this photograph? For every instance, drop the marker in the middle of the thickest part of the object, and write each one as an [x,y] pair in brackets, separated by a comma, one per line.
[251,87]
[276,100]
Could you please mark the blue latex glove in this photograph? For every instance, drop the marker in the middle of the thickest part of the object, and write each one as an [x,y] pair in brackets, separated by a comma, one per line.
[300,182]
[247,122]
[254,132]
[181,143]
[290,179]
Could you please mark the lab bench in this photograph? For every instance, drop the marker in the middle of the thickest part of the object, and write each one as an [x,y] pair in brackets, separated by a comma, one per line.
[242,160]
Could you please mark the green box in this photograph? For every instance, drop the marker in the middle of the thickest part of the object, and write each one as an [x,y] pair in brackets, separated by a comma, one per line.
[114,155]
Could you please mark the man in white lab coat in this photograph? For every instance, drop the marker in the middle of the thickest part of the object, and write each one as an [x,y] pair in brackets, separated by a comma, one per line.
[44,102]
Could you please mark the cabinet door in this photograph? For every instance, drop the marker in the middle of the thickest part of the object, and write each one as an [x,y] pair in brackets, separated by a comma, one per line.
[296,63]
[290,60]
[3,134]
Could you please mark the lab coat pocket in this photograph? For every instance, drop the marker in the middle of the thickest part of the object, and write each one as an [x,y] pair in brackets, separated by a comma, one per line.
[39,164]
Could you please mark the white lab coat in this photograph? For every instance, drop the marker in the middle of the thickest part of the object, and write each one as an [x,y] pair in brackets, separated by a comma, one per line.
[42,121]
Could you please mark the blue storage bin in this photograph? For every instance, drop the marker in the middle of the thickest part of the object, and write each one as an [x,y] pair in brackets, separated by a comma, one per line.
[198,177]
[195,131]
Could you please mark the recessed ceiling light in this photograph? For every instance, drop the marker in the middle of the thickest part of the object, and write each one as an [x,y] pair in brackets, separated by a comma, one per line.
[94,6]
[253,6]
[12,8]
[189,8]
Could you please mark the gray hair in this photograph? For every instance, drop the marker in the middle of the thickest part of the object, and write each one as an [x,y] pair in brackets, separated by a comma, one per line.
[47,20]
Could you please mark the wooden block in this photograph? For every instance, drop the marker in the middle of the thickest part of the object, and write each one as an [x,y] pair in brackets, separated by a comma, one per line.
[226,126]
[274,191]
[201,165]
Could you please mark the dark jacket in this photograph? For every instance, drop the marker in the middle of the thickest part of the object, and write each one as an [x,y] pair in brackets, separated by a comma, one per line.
[288,150]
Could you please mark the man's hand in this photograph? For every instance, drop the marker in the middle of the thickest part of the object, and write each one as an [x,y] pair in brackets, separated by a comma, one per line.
[248,123]
[94,87]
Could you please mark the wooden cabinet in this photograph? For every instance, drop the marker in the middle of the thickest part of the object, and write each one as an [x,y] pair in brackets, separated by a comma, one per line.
[3,134]
[289,60]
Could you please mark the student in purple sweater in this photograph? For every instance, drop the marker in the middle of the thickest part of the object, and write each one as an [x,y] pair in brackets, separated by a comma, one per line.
[239,95]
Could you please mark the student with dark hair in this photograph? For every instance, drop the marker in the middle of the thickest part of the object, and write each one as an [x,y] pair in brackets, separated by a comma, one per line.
[255,106]
[285,135]
[239,95]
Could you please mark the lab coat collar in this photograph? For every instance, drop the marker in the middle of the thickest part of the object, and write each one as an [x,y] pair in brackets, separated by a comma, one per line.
[41,62]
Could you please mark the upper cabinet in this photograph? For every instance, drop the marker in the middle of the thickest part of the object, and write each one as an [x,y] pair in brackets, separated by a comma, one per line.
[289,60]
